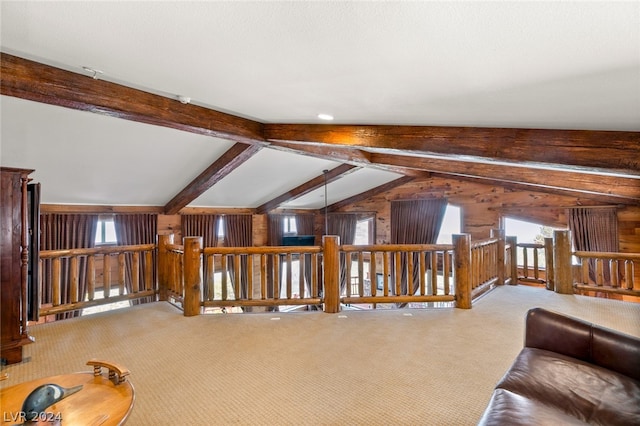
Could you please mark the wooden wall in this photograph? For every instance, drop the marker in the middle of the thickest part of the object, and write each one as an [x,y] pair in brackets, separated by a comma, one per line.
[482,208]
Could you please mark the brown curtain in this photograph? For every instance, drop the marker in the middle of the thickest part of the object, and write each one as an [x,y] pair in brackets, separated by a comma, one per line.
[275,232]
[239,233]
[201,225]
[594,229]
[134,229]
[61,232]
[344,226]
[205,226]
[415,222]
[304,225]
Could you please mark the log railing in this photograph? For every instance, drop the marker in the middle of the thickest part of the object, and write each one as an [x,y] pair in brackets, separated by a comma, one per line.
[200,278]
[430,264]
[537,262]
[82,262]
[607,272]
[484,265]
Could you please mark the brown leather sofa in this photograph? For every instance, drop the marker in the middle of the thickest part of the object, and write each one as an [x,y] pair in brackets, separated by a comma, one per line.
[570,372]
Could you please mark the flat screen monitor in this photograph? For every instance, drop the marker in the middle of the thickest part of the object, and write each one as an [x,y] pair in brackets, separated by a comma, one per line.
[299,240]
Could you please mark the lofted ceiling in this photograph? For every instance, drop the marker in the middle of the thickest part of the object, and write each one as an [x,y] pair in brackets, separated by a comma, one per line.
[540,96]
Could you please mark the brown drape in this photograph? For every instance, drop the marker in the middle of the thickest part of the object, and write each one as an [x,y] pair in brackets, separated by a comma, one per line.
[304,226]
[415,222]
[60,232]
[239,233]
[205,226]
[201,225]
[344,226]
[594,229]
[134,229]
[275,232]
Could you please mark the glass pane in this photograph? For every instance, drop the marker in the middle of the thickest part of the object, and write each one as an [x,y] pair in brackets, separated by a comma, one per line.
[109,231]
[450,225]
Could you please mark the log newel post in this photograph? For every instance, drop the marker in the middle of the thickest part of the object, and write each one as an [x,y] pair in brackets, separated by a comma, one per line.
[192,276]
[562,262]
[164,268]
[331,258]
[462,256]
[501,256]
[513,242]
[549,268]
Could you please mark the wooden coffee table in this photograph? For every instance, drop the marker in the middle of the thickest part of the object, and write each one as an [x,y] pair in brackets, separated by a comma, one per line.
[105,399]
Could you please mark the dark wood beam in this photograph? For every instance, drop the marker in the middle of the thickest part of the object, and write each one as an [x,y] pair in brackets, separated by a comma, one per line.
[34,81]
[228,162]
[346,155]
[306,187]
[611,187]
[588,150]
[582,198]
[367,194]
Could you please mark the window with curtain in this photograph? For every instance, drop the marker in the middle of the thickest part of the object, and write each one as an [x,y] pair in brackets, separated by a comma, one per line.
[415,222]
[594,229]
[61,232]
[206,226]
[134,229]
[239,233]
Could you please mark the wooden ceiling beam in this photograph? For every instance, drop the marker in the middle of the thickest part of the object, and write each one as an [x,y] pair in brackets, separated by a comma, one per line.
[38,82]
[367,194]
[346,155]
[587,150]
[225,164]
[306,187]
[571,182]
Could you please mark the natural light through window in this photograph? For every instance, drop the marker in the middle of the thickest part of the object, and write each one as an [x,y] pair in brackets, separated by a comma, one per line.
[450,225]
[364,231]
[105,232]
[527,232]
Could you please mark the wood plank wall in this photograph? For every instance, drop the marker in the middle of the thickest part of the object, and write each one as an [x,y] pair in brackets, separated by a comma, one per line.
[482,205]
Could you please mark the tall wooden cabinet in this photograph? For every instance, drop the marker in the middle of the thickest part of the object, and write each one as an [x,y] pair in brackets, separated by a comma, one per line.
[15,267]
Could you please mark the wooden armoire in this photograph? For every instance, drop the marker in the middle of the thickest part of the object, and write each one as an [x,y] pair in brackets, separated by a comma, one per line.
[19,228]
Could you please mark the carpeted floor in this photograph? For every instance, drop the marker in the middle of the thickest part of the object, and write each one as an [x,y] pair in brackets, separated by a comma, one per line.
[400,367]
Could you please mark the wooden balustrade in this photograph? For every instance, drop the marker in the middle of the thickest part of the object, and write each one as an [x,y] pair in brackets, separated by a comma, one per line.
[429,266]
[607,272]
[484,265]
[207,278]
[82,262]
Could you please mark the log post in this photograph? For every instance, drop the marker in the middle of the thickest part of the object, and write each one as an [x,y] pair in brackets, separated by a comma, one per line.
[513,242]
[331,256]
[462,256]
[192,278]
[548,255]
[562,262]
[501,255]
[164,268]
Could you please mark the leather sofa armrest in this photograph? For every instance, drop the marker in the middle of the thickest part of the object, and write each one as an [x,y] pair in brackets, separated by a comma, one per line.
[582,340]
[558,333]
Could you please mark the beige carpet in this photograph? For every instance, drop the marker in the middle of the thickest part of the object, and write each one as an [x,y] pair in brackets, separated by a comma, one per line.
[391,367]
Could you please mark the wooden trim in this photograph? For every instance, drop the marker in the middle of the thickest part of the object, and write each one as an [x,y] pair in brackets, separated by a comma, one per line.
[590,150]
[225,164]
[306,187]
[38,82]
[332,208]
[98,209]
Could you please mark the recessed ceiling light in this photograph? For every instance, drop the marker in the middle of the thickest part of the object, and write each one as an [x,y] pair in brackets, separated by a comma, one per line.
[327,117]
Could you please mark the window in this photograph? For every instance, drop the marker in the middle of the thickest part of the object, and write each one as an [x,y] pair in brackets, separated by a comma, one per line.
[451,224]
[106,231]
[528,232]
[364,231]
[290,227]
[220,230]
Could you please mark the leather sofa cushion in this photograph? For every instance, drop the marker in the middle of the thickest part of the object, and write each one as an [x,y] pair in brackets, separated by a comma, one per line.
[508,408]
[589,393]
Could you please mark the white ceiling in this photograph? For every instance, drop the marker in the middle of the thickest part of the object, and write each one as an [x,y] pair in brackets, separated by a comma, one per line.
[569,65]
